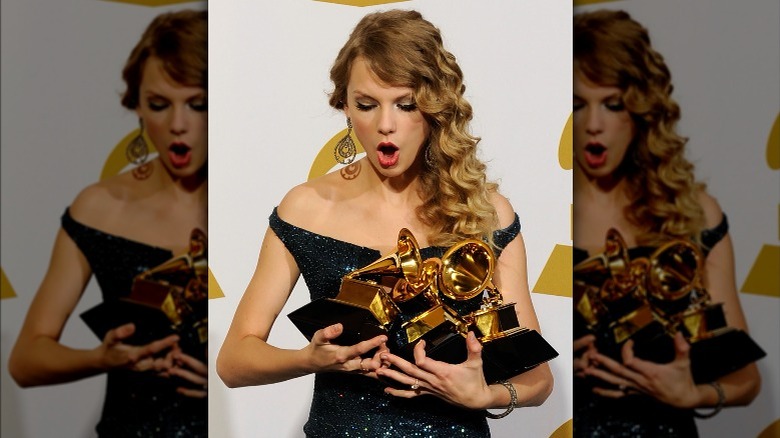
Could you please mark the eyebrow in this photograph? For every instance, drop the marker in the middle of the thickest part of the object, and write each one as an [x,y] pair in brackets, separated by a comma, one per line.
[359,94]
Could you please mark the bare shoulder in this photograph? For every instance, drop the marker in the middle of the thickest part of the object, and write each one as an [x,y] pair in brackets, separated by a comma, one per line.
[504,209]
[713,214]
[305,202]
[101,202]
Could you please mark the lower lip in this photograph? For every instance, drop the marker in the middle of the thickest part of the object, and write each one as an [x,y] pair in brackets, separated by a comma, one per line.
[386,160]
[594,160]
[180,160]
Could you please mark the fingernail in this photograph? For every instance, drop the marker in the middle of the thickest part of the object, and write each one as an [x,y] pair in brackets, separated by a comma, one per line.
[383,357]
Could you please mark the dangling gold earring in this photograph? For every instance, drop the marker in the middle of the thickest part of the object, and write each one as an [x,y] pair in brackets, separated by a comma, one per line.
[137,152]
[345,150]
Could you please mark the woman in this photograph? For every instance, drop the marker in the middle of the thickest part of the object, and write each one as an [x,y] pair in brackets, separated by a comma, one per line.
[402,93]
[631,175]
[124,225]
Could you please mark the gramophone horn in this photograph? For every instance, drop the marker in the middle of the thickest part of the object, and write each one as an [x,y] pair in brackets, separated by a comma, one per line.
[406,261]
[467,270]
[675,270]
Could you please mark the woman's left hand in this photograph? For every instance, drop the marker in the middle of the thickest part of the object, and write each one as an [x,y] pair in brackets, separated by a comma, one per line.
[460,384]
[671,383]
[192,370]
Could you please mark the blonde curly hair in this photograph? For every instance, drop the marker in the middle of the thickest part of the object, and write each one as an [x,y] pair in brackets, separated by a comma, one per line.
[403,49]
[611,49]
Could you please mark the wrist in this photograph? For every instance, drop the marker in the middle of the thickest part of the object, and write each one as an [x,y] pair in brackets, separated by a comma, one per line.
[507,392]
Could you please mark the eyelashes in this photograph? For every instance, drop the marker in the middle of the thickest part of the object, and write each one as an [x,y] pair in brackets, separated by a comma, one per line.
[196,105]
[614,107]
[405,107]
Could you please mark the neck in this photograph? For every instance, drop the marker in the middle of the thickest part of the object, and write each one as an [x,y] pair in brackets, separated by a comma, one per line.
[395,190]
[192,186]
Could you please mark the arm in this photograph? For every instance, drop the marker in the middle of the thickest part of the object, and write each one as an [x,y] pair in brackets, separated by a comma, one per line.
[38,358]
[247,359]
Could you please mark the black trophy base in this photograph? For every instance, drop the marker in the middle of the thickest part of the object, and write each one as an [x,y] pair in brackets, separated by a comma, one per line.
[728,351]
[358,322]
[150,324]
[651,342]
[516,353]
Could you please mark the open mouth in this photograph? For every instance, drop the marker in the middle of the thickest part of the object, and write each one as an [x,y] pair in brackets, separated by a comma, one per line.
[595,154]
[388,154]
[180,154]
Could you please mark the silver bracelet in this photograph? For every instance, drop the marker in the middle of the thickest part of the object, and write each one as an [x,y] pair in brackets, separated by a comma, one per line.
[512,401]
[718,406]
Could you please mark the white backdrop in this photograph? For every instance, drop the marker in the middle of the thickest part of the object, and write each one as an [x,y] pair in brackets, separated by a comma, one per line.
[61,117]
[269,118]
[725,62]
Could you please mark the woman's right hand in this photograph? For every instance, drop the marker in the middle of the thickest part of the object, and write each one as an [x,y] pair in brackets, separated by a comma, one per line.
[327,356]
[116,354]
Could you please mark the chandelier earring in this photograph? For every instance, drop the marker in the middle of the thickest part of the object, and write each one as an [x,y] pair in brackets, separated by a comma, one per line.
[137,152]
[346,150]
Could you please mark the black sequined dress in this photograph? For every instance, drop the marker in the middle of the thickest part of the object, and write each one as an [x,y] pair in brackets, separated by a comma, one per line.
[136,404]
[634,416]
[353,405]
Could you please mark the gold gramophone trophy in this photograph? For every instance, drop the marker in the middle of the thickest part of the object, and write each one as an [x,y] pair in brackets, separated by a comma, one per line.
[364,305]
[399,296]
[167,299]
[677,294]
[649,299]
[508,349]
[611,302]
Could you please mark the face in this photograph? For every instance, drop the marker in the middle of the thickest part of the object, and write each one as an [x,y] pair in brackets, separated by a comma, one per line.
[386,121]
[175,118]
[603,128]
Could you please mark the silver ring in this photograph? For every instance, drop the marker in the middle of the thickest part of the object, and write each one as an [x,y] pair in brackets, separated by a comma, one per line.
[362,369]
[416,384]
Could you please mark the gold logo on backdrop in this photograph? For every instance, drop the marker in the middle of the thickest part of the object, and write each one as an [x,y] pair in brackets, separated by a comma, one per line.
[361,3]
[6,290]
[556,276]
[764,278]
[154,2]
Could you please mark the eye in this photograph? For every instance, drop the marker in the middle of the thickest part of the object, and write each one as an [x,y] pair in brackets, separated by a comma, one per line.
[407,107]
[364,106]
[199,105]
[615,105]
[578,105]
[157,105]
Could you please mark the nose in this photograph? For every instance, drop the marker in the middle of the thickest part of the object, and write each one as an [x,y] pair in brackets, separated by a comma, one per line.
[386,123]
[594,122]
[178,122]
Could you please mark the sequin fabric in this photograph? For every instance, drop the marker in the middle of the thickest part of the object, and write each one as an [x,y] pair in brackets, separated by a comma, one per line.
[634,416]
[136,404]
[350,405]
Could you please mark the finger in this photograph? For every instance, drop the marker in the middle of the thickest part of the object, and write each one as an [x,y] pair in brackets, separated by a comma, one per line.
[364,347]
[189,376]
[617,368]
[609,393]
[159,345]
[329,333]
[474,348]
[610,378]
[404,393]
[403,379]
[681,347]
[118,334]
[584,342]
[194,393]
[190,362]
[408,369]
